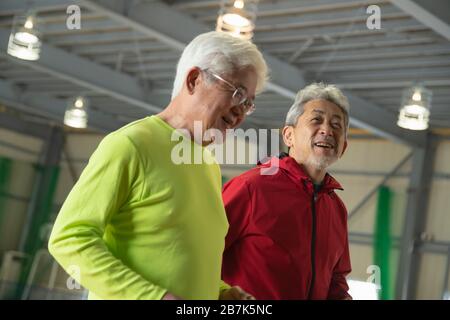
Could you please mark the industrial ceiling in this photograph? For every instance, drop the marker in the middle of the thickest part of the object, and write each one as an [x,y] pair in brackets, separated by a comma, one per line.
[124,57]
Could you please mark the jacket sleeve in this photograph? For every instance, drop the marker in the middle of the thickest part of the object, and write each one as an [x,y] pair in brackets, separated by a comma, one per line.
[338,287]
[238,206]
[76,241]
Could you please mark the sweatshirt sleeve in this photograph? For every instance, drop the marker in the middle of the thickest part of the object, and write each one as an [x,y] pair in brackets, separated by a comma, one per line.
[76,241]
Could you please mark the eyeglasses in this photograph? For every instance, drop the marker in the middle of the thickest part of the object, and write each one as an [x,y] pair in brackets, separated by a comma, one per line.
[240,96]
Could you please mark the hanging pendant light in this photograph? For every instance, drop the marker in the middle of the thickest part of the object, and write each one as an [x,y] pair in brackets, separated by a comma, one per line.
[415,111]
[76,114]
[237,17]
[24,41]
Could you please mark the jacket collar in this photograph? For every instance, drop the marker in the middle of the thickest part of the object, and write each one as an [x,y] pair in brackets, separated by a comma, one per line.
[297,173]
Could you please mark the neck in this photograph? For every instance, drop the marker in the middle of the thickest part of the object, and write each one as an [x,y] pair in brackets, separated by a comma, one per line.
[175,117]
[315,174]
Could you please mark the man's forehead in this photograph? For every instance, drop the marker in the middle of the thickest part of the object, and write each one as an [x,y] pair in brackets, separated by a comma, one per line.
[246,79]
[323,107]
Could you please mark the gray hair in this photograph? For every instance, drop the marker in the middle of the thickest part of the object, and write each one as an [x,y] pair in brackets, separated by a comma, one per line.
[222,54]
[315,91]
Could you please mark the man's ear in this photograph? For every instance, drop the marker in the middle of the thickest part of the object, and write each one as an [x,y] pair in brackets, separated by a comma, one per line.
[288,136]
[345,148]
[193,79]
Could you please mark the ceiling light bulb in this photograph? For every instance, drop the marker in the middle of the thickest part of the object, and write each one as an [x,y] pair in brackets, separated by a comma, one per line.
[417,96]
[79,103]
[236,20]
[26,37]
[239,4]
[29,24]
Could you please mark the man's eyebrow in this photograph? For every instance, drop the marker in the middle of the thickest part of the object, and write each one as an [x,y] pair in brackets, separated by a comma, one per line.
[246,91]
[242,87]
[321,112]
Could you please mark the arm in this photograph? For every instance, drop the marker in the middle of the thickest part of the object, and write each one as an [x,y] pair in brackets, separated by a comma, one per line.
[224,286]
[77,235]
[238,206]
[235,293]
[338,287]
[237,201]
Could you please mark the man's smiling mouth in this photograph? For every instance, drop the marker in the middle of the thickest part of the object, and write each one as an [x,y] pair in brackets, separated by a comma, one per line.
[325,145]
[228,122]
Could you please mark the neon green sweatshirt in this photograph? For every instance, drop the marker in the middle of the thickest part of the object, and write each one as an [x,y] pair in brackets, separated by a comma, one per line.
[136,225]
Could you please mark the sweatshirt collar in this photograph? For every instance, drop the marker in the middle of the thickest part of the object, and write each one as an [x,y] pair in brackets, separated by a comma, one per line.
[296,172]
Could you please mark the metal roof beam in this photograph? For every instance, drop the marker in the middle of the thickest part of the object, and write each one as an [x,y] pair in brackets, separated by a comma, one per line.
[357,42]
[336,32]
[11,7]
[97,38]
[138,47]
[310,19]
[385,53]
[389,75]
[433,14]
[47,106]
[85,73]
[288,8]
[373,85]
[417,63]
[157,18]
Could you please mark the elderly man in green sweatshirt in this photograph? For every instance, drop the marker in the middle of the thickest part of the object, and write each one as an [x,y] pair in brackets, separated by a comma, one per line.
[139,225]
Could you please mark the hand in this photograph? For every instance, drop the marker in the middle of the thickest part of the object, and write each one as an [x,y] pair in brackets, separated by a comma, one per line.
[235,293]
[169,296]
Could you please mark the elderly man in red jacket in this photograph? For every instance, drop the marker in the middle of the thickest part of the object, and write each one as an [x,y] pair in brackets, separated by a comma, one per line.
[288,234]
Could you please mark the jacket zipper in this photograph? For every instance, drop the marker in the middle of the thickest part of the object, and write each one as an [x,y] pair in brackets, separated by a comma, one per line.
[313,245]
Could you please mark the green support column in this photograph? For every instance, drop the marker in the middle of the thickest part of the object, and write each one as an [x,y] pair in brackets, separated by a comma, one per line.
[5,173]
[43,208]
[41,202]
[224,180]
[382,241]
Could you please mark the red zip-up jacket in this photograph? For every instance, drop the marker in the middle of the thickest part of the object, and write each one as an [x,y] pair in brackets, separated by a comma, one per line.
[285,241]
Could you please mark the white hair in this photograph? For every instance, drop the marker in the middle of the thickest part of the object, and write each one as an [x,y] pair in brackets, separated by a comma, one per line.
[222,54]
[315,91]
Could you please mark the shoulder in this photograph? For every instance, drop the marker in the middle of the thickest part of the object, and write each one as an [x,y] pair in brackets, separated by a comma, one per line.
[137,132]
[134,137]
[253,179]
[123,144]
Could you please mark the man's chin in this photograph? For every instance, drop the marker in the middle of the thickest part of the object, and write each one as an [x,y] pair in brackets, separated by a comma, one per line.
[206,143]
[217,136]
[321,163]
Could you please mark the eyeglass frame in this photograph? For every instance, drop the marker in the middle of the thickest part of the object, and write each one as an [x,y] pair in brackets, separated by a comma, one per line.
[248,109]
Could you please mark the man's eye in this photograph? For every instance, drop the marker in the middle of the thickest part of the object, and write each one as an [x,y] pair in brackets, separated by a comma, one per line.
[337,125]
[239,94]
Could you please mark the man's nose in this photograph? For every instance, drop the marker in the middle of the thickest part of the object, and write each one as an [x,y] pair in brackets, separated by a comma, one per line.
[238,111]
[326,130]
